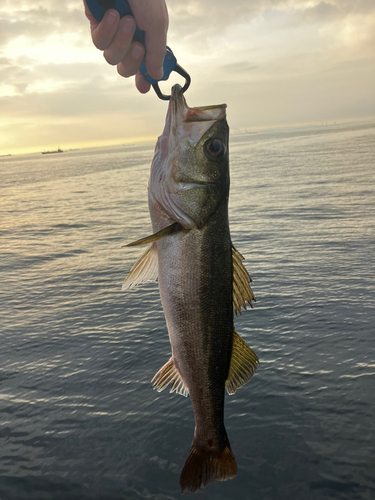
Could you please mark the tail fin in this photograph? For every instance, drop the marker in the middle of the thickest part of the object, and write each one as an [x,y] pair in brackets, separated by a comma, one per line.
[204,466]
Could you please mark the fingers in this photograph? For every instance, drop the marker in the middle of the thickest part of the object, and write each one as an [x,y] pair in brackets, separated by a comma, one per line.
[119,47]
[156,41]
[152,18]
[129,65]
[155,53]
[114,37]
[142,84]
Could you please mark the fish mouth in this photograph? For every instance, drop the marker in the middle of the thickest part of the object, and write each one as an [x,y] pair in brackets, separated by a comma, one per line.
[172,171]
[180,112]
[178,101]
[177,92]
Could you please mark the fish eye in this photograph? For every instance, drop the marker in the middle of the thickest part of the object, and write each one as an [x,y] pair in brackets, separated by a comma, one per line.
[214,149]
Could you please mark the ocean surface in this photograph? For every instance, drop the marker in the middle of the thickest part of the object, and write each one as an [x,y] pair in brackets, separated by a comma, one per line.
[79,419]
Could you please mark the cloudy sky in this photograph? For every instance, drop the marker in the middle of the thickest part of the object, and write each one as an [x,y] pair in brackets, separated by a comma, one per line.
[274,62]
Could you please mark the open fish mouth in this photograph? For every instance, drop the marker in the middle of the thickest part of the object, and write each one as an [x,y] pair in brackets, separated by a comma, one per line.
[179,112]
[176,171]
[177,106]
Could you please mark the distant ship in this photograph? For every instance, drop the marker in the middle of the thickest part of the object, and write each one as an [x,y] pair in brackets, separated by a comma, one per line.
[52,152]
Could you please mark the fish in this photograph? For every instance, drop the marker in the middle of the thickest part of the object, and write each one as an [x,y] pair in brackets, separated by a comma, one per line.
[202,279]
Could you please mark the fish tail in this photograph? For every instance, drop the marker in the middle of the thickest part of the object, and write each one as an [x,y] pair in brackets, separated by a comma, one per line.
[204,466]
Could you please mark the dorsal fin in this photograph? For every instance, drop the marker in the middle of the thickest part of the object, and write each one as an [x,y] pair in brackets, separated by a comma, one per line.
[167,374]
[242,291]
[242,366]
[167,231]
[145,269]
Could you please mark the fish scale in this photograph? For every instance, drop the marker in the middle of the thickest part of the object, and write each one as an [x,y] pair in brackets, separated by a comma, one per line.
[201,279]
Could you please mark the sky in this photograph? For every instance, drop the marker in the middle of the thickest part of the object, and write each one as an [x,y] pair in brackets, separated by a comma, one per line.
[275,63]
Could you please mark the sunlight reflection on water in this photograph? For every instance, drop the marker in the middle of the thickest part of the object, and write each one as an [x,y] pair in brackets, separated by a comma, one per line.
[79,418]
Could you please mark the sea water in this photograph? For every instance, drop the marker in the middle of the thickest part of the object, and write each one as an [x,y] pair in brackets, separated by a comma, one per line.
[78,416]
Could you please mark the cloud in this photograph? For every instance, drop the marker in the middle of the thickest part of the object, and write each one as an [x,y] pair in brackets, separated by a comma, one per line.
[322,12]
[237,67]
[272,61]
[13,76]
[325,12]
[44,17]
[197,22]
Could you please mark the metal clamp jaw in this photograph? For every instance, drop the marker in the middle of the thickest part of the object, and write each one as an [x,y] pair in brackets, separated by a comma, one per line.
[98,9]
[170,64]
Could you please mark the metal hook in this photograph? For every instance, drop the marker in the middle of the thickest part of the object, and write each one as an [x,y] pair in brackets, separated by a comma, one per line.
[178,69]
[98,9]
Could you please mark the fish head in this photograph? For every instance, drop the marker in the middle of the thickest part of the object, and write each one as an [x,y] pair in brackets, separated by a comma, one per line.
[190,170]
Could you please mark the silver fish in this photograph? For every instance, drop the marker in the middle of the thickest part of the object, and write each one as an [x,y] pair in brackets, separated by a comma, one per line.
[201,279]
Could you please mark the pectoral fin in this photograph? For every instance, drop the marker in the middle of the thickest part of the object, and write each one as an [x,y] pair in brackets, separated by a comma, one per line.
[167,231]
[168,373]
[243,364]
[144,270]
[242,291]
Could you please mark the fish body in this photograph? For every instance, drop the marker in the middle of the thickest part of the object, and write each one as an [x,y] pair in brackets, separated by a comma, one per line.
[193,253]
[199,317]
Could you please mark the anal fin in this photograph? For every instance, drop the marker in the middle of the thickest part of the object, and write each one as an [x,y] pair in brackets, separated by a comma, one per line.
[242,366]
[167,374]
[242,291]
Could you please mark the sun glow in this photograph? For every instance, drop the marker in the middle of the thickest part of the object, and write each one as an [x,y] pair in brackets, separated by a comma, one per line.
[63,48]
[284,63]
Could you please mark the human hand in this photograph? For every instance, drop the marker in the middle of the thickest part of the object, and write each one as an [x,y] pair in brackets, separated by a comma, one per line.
[114,37]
